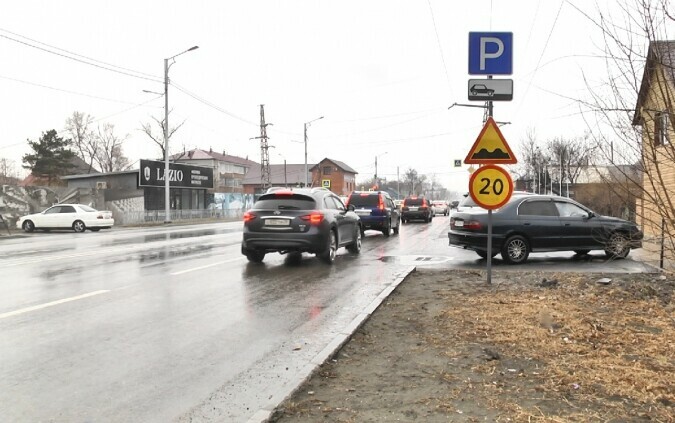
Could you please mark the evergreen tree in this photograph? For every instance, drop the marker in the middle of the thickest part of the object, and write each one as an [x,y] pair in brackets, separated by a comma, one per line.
[51,156]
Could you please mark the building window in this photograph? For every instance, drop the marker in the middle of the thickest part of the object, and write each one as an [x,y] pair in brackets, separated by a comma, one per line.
[327,170]
[661,123]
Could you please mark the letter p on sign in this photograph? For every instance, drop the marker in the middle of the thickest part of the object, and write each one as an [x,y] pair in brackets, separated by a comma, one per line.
[490,53]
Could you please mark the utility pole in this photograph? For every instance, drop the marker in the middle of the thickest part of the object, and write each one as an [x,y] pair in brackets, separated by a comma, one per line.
[376,183]
[307,170]
[265,177]
[398,184]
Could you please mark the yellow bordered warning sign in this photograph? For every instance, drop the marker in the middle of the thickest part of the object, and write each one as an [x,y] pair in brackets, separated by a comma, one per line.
[490,147]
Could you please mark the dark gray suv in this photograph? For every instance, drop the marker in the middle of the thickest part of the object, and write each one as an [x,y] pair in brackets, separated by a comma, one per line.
[416,208]
[300,220]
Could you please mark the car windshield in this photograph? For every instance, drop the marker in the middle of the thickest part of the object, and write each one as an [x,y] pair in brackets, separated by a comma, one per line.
[359,200]
[414,201]
[87,208]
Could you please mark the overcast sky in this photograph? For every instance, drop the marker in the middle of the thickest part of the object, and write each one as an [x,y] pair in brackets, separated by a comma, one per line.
[383,74]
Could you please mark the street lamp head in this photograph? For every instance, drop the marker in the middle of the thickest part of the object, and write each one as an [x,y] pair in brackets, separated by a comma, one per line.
[193,48]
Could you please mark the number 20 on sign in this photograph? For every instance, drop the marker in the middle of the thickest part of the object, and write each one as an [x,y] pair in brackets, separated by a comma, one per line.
[490,187]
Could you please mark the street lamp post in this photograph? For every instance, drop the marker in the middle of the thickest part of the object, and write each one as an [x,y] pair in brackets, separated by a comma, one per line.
[167,179]
[377,182]
[306,125]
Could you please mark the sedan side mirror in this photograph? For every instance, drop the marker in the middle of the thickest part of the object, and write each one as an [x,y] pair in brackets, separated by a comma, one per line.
[351,207]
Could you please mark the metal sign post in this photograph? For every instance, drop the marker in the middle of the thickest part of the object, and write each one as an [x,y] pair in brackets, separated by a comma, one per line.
[490,187]
[490,53]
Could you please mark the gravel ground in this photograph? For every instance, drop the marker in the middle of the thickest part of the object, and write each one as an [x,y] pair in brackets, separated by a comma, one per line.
[446,347]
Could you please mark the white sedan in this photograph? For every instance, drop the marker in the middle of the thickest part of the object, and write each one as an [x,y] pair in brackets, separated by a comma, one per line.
[77,217]
[440,207]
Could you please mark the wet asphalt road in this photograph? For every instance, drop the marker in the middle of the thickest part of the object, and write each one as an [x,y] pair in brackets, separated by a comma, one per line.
[172,324]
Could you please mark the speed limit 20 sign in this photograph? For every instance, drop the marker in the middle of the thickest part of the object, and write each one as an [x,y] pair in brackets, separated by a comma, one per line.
[490,187]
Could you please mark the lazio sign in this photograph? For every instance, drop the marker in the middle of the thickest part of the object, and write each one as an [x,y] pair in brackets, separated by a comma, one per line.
[490,147]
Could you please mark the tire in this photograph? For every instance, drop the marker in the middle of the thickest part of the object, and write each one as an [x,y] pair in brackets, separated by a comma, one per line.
[484,254]
[328,255]
[28,226]
[398,226]
[255,256]
[387,229]
[581,252]
[617,246]
[355,247]
[515,250]
[79,226]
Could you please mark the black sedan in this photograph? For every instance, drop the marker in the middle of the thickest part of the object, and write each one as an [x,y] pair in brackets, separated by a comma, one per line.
[540,223]
[300,220]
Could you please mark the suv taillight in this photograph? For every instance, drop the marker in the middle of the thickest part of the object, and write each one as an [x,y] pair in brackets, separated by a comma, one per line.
[313,218]
[248,216]
[380,204]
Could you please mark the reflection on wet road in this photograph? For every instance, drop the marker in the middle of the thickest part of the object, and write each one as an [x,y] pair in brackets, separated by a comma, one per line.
[173,324]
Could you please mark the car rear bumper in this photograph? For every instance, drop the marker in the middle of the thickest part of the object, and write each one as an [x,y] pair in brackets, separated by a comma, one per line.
[373,222]
[302,242]
[415,214]
[473,241]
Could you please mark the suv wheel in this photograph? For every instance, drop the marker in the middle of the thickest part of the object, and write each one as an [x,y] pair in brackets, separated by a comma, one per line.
[355,247]
[387,228]
[328,255]
[255,256]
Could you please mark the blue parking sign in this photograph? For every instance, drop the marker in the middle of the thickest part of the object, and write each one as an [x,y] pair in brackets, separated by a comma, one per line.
[490,53]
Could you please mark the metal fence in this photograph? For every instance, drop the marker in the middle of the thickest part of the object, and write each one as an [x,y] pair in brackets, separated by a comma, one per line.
[151,216]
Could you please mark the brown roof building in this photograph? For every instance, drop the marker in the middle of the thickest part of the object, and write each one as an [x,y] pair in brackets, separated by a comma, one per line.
[228,171]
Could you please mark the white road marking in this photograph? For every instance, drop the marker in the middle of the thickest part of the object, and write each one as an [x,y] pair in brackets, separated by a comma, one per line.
[206,267]
[50,304]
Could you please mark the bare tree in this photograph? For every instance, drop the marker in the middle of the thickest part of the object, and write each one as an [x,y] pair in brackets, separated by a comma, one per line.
[84,140]
[110,157]
[631,116]
[8,172]
[158,138]
[531,157]
[570,156]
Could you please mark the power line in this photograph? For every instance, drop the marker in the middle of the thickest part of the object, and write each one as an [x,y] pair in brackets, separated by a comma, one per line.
[438,40]
[387,126]
[211,105]
[65,91]
[541,56]
[386,116]
[88,61]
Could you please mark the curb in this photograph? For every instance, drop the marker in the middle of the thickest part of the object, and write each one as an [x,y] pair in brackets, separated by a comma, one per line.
[263,415]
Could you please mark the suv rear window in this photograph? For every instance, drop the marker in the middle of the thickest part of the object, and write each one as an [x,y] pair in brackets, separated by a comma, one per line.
[295,202]
[413,201]
[368,200]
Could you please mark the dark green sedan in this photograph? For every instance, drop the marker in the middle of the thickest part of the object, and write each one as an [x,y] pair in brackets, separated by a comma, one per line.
[542,223]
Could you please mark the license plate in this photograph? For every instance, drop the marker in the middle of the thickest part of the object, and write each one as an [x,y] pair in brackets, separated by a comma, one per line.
[459,223]
[412,208]
[277,222]
[363,212]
